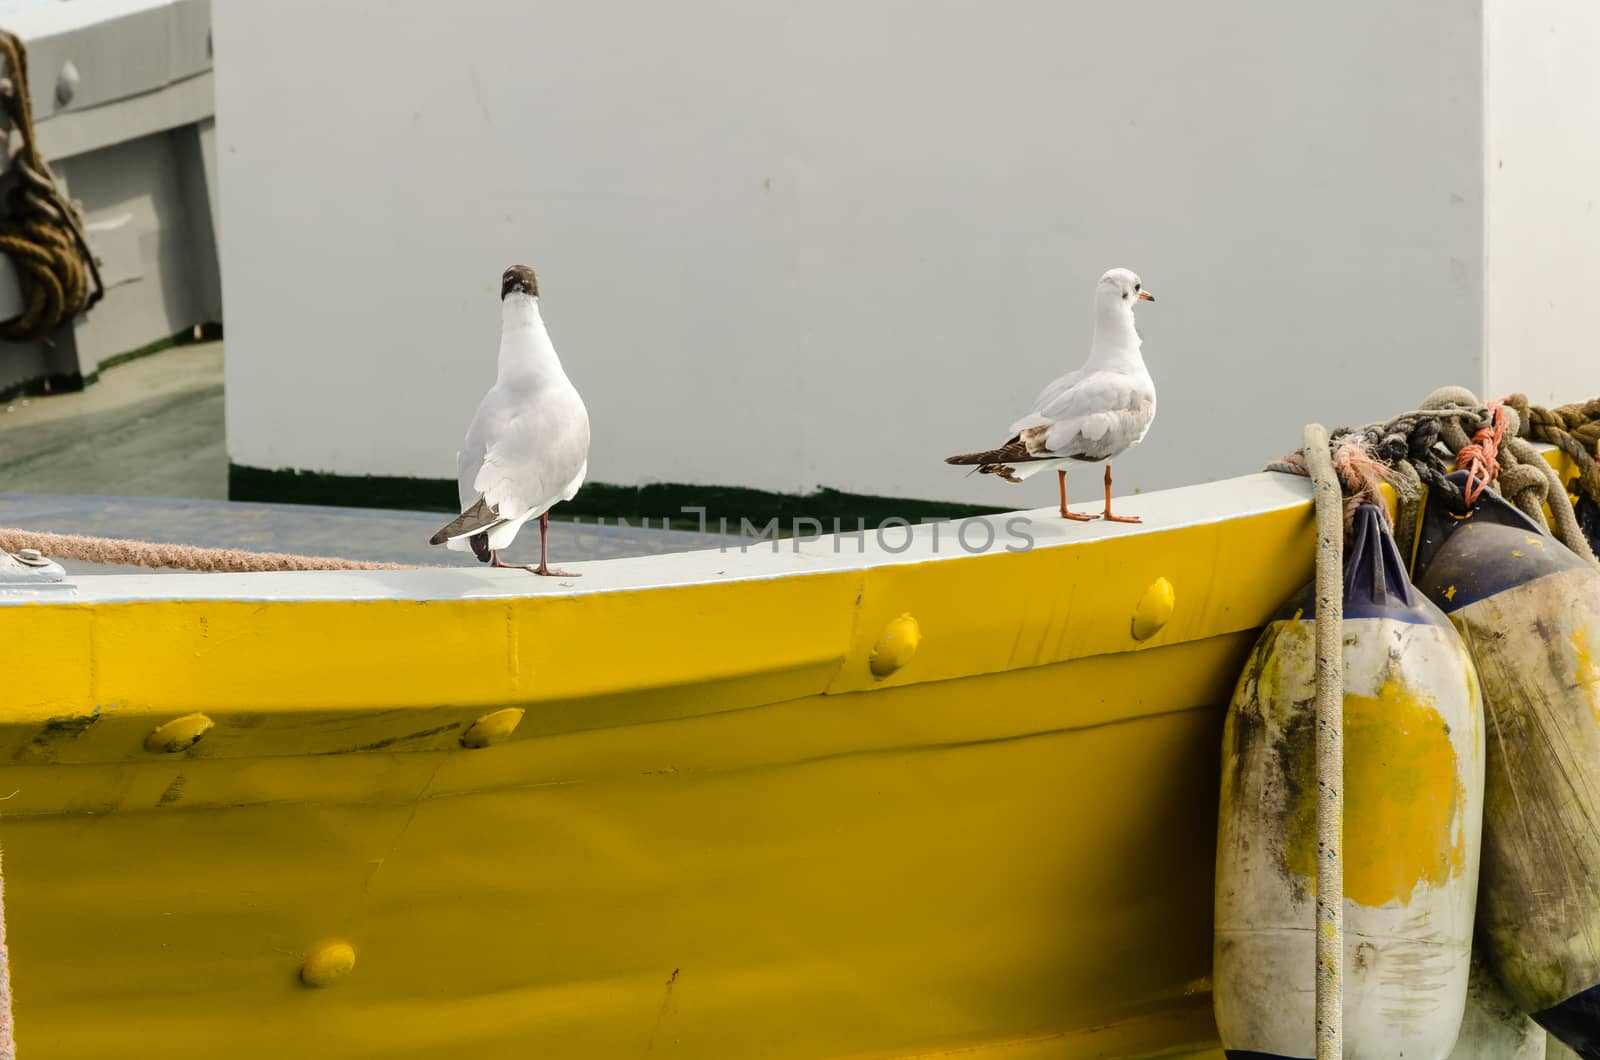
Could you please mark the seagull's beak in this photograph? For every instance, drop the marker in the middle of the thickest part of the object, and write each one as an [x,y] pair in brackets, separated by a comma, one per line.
[1146,296]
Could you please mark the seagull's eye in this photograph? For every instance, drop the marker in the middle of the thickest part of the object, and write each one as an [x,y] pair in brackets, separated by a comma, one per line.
[1136,288]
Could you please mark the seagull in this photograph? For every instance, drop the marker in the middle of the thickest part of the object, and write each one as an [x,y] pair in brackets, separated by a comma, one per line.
[527,448]
[1087,416]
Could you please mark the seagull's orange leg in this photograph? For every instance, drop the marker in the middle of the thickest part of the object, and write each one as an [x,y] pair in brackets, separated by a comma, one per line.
[1116,518]
[1062,475]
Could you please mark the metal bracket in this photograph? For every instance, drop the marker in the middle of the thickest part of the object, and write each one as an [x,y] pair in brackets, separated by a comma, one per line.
[28,569]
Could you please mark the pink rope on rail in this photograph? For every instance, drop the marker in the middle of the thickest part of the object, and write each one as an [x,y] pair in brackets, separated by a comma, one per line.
[179,557]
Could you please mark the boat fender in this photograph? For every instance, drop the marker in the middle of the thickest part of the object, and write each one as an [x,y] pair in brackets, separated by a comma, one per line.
[1413,791]
[1528,609]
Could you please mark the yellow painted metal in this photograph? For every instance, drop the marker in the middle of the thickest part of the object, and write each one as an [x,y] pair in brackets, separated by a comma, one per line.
[715,831]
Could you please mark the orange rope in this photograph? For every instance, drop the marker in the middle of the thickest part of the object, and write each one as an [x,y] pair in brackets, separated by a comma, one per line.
[1481,459]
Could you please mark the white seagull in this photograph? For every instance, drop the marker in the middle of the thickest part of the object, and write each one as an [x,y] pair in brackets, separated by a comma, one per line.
[1087,416]
[527,449]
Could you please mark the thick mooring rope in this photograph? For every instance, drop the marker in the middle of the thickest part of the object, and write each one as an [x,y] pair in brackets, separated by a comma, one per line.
[1574,429]
[41,232]
[179,557]
[1452,429]
[1330,742]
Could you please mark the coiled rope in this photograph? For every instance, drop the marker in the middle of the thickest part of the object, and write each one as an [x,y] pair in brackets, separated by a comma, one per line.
[1493,442]
[42,231]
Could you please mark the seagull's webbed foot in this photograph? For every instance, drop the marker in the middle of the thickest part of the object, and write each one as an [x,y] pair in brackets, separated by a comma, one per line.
[543,569]
[551,572]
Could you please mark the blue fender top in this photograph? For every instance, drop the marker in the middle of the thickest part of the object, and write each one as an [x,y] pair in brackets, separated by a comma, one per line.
[1494,547]
[1375,581]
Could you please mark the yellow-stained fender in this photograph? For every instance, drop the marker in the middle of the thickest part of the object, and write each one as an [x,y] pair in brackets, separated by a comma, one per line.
[1413,798]
[1529,611]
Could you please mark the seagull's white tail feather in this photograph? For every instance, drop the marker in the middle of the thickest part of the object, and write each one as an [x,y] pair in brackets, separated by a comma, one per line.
[503,533]
[1029,468]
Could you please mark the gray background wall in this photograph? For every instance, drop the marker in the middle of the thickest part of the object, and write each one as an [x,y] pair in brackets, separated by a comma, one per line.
[787,246]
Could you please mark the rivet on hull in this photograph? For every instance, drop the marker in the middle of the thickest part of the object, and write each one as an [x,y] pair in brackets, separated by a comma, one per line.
[179,734]
[328,964]
[895,646]
[67,83]
[492,728]
[1155,608]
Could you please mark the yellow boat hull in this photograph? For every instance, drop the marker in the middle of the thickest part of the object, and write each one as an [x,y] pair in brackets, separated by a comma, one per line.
[720,828]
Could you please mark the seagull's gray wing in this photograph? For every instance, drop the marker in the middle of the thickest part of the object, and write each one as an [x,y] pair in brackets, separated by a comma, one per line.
[1094,415]
[1101,416]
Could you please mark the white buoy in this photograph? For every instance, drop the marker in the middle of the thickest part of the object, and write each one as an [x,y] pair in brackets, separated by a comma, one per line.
[1413,801]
